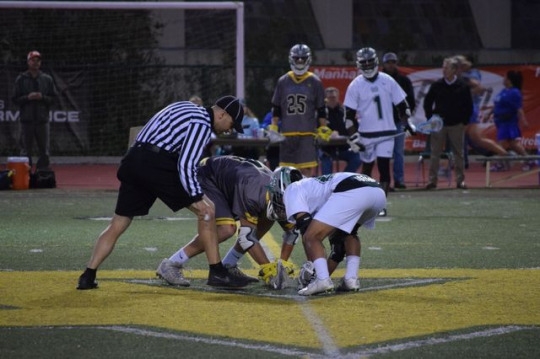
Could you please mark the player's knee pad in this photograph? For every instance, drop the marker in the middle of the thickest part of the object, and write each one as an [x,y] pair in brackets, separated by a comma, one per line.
[302,223]
[247,237]
[355,230]
[337,245]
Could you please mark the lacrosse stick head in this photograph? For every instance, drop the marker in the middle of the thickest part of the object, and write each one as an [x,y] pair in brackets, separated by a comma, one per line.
[434,124]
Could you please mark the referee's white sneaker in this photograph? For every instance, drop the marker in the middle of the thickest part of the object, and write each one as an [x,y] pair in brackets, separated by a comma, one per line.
[349,285]
[171,272]
[318,286]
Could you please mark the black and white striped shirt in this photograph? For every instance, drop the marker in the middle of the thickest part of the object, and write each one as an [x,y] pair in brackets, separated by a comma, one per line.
[183,128]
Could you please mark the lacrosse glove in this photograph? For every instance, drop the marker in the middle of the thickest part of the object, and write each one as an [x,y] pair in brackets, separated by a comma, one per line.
[324,133]
[354,143]
[410,127]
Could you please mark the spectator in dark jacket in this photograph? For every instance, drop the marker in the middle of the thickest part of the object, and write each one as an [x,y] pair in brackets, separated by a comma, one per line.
[34,94]
[450,98]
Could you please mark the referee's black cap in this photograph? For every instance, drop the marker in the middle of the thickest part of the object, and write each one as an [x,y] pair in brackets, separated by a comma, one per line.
[232,106]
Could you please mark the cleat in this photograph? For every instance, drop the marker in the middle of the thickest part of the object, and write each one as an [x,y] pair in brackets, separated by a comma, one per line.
[383,213]
[235,271]
[461,185]
[349,285]
[307,274]
[280,279]
[318,286]
[431,185]
[171,272]
[87,283]
[226,280]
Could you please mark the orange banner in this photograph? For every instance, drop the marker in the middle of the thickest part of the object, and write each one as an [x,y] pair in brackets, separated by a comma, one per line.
[422,77]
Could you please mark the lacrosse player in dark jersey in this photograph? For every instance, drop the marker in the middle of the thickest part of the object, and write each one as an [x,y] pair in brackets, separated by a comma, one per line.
[298,101]
[238,188]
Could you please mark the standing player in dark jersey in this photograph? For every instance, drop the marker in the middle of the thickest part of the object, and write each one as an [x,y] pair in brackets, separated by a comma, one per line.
[238,187]
[298,101]
[162,164]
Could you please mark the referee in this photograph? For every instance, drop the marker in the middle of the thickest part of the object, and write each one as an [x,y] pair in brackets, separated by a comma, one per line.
[162,164]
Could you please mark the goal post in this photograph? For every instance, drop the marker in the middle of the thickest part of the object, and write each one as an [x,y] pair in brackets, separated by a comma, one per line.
[238,6]
[116,63]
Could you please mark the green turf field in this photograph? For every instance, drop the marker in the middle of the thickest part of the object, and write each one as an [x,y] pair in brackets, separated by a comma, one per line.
[447,274]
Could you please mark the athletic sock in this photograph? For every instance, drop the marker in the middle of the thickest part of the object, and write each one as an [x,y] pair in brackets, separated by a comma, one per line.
[321,268]
[179,257]
[353,265]
[232,257]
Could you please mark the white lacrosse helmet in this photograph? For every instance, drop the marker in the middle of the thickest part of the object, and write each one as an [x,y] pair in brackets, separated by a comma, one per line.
[281,178]
[367,61]
[300,59]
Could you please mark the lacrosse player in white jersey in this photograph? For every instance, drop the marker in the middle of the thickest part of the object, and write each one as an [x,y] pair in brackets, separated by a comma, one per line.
[333,206]
[370,98]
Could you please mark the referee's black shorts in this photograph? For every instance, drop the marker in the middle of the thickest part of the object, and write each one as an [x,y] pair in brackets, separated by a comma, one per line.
[145,176]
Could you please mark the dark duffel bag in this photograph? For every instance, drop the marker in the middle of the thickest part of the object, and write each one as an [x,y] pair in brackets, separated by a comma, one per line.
[43,179]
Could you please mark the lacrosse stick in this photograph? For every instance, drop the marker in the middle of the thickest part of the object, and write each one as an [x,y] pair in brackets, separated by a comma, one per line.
[385,138]
[434,124]
[371,146]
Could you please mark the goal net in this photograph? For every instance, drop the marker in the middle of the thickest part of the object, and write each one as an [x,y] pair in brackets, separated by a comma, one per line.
[116,63]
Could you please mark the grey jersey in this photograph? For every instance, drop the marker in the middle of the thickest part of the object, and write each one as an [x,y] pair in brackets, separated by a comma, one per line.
[236,185]
[299,99]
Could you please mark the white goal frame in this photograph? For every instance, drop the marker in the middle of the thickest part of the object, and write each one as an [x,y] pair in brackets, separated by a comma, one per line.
[238,6]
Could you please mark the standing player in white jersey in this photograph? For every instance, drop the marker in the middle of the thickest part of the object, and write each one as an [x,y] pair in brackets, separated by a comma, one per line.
[298,101]
[334,205]
[370,98]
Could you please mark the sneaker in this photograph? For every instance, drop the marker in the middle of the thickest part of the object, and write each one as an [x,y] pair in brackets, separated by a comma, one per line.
[400,185]
[235,271]
[383,213]
[280,279]
[86,282]
[349,285]
[461,185]
[171,272]
[431,185]
[318,286]
[226,280]
[307,274]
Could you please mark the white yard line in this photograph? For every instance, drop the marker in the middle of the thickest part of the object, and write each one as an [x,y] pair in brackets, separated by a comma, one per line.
[329,348]
[433,341]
